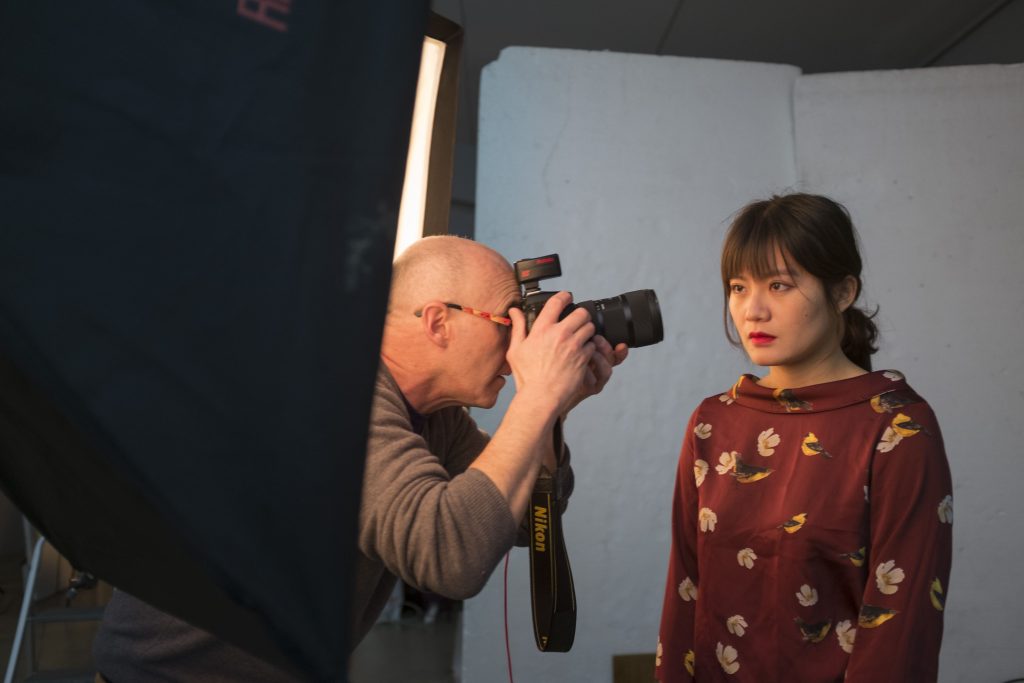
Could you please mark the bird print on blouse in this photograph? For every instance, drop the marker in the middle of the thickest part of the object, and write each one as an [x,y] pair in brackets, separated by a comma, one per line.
[778,492]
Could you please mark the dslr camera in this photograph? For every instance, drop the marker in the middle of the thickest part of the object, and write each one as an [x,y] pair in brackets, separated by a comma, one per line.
[633,317]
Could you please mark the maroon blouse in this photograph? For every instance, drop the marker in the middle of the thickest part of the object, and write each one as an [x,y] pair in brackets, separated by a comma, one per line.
[811,537]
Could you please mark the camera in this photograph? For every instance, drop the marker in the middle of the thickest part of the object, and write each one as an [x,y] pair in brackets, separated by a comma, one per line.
[633,317]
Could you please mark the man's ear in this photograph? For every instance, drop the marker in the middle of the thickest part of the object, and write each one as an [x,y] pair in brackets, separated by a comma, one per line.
[435,323]
[845,293]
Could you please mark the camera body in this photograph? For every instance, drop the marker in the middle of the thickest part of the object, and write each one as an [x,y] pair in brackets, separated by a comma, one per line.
[633,317]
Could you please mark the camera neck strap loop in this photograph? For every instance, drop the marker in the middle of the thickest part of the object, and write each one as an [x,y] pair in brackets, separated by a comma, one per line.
[551,587]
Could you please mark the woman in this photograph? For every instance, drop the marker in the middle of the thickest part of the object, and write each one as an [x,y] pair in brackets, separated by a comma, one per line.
[812,521]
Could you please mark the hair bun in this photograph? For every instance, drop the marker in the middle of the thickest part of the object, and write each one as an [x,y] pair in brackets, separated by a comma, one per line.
[859,336]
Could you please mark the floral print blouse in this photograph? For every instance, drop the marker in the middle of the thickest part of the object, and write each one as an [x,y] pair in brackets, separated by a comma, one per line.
[811,537]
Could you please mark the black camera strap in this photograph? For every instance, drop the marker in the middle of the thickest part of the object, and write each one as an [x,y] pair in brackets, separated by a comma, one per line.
[551,587]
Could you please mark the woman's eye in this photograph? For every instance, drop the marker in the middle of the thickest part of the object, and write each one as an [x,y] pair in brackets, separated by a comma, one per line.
[735,288]
[779,286]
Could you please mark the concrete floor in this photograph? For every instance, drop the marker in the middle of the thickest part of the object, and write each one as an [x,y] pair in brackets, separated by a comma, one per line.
[407,651]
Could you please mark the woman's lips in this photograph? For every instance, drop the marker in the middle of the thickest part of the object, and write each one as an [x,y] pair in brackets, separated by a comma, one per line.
[760,338]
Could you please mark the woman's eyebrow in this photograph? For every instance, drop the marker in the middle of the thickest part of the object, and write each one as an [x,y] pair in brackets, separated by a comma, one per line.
[781,272]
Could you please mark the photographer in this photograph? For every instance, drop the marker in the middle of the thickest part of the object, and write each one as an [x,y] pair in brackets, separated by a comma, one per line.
[442,500]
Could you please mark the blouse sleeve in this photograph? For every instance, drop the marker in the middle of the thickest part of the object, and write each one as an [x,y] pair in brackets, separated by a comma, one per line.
[675,658]
[899,630]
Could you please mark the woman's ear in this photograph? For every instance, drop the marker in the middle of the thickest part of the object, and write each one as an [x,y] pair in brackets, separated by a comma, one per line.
[435,323]
[845,293]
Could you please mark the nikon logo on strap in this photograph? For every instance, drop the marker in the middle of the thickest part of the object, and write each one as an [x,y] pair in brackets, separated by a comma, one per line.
[540,528]
[551,588]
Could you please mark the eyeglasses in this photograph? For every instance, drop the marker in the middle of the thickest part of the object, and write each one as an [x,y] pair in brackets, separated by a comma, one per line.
[499,319]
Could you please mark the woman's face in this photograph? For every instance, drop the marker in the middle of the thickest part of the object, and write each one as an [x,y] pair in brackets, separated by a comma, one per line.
[785,319]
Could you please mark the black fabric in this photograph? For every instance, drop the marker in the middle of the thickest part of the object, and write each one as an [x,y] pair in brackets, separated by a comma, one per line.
[197,209]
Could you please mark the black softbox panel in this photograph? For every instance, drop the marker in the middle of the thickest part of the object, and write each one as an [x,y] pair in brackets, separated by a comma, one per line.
[197,210]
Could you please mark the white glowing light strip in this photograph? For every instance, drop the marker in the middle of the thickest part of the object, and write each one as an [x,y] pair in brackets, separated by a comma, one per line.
[414,191]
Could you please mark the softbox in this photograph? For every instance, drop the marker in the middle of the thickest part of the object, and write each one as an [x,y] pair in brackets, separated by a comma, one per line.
[197,210]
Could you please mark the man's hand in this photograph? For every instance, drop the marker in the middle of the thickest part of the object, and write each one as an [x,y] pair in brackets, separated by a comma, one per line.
[551,364]
[599,370]
[550,367]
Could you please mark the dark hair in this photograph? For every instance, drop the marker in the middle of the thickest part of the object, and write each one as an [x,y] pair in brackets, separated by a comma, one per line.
[817,234]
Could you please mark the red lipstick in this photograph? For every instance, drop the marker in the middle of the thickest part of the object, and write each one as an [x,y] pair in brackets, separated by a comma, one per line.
[760,338]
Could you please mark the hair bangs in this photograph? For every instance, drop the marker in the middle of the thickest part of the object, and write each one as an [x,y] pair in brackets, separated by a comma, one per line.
[751,247]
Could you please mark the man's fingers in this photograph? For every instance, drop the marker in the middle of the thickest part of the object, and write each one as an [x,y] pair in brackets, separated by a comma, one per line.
[518,324]
[583,335]
[602,370]
[603,347]
[553,309]
[621,351]
[614,356]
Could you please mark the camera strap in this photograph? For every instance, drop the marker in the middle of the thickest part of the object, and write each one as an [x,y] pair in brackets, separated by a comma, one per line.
[551,587]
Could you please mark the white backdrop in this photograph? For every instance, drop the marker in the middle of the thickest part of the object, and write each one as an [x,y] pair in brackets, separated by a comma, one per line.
[630,167]
[931,164]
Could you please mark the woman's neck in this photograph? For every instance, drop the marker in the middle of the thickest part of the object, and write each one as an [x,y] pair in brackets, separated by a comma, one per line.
[832,368]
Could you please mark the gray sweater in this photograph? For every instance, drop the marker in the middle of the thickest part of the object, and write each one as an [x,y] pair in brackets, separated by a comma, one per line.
[425,518]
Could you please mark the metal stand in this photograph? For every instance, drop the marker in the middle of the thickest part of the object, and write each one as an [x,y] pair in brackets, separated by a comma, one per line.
[26,619]
[26,604]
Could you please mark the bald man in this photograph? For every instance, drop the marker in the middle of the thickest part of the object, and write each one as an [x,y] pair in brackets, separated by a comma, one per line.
[442,500]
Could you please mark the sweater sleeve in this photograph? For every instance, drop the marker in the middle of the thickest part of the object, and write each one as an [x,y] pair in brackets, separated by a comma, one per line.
[675,659]
[440,530]
[899,630]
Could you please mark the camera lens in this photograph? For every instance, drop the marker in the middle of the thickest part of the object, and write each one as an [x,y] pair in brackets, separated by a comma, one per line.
[633,318]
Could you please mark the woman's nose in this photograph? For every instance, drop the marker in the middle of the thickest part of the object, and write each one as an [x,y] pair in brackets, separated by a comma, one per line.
[757,308]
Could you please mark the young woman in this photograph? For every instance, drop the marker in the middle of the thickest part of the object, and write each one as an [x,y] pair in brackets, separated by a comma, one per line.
[812,521]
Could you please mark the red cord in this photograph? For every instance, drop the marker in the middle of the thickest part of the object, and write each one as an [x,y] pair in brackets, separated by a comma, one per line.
[508,650]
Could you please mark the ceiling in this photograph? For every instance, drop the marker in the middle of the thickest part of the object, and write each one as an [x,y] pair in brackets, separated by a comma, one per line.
[818,36]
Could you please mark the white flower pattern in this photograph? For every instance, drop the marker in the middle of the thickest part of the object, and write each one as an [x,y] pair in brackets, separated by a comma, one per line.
[726,399]
[737,625]
[703,431]
[846,635]
[892,375]
[746,558]
[700,470]
[687,590]
[728,658]
[890,439]
[657,655]
[946,510]
[767,441]
[887,575]
[807,596]
[726,462]
[708,519]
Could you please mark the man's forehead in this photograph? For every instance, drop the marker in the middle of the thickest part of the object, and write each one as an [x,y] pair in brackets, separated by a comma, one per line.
[503,289]
[510,292]
[490,279]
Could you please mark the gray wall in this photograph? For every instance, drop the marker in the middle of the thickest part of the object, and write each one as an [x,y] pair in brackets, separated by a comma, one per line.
[931,165]
[630,166]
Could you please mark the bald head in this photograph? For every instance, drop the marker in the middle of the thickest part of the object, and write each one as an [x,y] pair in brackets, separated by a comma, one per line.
[441,267]
[442,357]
